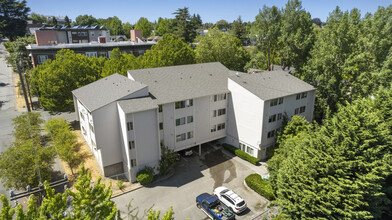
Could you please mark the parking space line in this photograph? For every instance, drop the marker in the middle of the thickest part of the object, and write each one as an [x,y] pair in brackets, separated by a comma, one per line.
[185,159]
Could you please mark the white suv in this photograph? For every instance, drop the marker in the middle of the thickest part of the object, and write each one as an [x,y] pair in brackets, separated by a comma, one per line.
[230,199]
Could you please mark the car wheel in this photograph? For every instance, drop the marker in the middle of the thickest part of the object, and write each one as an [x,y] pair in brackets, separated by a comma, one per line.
[198,205]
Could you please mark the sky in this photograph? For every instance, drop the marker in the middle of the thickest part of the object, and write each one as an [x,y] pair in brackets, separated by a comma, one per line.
[209,10]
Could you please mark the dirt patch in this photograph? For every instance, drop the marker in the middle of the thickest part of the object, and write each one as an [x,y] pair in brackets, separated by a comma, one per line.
[91,164]
[20,102]
[220,165]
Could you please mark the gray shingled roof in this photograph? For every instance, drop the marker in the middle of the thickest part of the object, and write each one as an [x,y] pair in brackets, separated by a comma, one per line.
[176,83]
[269,85]
[104,91]
[138,104]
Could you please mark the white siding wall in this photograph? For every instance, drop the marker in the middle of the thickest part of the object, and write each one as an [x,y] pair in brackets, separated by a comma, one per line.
[107,133]
[245,117]
[145,135]
[61,37]
[124,141]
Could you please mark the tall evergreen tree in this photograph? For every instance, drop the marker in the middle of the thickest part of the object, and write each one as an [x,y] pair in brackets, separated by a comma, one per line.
[67,22]
[238,29]
[183,28]
[13,16]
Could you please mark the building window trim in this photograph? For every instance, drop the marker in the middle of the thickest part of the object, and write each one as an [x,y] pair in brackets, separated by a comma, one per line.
[130,126]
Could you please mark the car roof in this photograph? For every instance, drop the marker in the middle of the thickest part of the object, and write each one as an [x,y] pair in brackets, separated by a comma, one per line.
[234,196]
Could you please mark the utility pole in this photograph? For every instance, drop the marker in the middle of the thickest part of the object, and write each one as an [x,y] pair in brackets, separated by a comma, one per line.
[23,86]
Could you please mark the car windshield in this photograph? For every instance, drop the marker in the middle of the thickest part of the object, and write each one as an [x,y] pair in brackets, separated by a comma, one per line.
[241,204]
[224,191]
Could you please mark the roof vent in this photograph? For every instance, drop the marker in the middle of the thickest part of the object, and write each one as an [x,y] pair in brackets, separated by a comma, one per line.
[236,73]
[210,74]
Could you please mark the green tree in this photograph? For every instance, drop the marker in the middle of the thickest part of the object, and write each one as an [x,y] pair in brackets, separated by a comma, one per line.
[266,29]
[64,141]
[183,29]
[18,52]
[167,161]
[340,169]
[119,63]
[67,22]
[27,126]
[127,27]
[154,215]
[222,25]
[25,163]
[144,25]
[37,18]
[169,51]
[297,36]
[217,46]
[54,21]
[238,29]
[115,26]
[164,26]
[338,68]
[86,20]
[13,16]
[54,80]
[91,201]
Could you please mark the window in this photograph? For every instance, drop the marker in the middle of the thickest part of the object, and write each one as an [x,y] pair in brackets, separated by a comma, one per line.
[274,102]
[82,33]
[91,54]
[183,104]
[302,109]
[180,121]
[162,143]
[280,116]
[189,102]
[296,111]
[249,150]
[180,104]
[131,145]
[92,34]
[159,108]
[271,134]
[219,97]
[272,118]
[221,111]
[103,54]
[242,147]
[221,126]
[190,134]
[214,113]
[91,127]
[42,59]
[81,116]
[161,126]
[73,32]
[180,137]
[130,126]
[133,162]
[304,95]
[213,128]
[280,101]
[141,52]
[298,96]
[190,119]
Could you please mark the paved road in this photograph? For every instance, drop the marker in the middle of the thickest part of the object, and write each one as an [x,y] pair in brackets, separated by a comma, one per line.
[192,178]
[7,105]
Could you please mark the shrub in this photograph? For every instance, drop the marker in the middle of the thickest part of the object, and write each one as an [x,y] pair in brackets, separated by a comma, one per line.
[167,161]
[120,184]
[262,187]
[241,154]
[145,175]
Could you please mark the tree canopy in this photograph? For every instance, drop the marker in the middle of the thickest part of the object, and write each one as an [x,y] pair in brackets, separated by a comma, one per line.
[13,16]
[217,46]
[144,25]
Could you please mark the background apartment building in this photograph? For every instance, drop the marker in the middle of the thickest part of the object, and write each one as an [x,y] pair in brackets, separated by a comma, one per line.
[90,41]
[126,120]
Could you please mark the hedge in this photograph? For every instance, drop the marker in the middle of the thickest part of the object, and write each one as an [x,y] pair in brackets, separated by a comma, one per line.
[145,175]
[241,154]
[262,187]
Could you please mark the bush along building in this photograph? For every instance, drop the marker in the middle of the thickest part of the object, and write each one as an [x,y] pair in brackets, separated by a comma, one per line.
[126,120]
[91,41]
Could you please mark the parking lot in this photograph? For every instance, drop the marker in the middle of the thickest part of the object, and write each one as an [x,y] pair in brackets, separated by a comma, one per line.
[195,175]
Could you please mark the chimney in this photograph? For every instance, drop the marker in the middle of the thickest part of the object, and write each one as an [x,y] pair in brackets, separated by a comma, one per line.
[135,34]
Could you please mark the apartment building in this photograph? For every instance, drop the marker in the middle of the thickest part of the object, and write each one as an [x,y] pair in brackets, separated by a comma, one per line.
[126,120]
[90,41]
